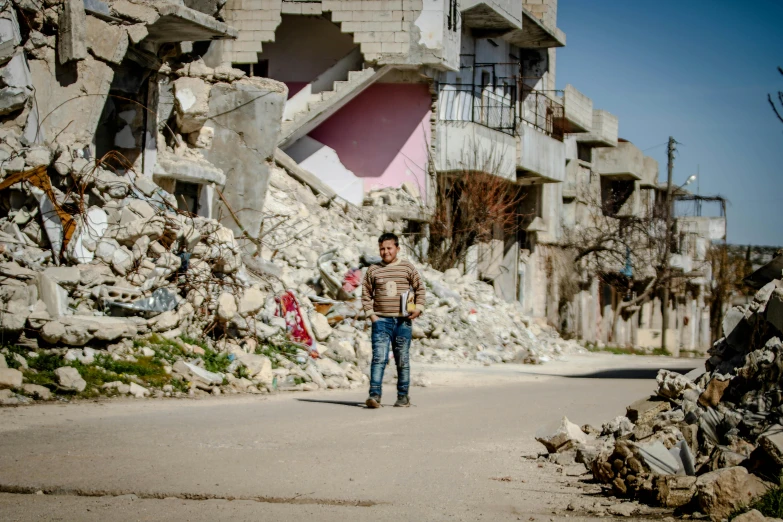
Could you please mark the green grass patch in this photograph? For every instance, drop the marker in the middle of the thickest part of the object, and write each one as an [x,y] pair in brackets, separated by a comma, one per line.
[214,361]
[148,369]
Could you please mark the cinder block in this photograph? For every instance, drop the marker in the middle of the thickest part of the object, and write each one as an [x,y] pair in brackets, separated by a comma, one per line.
[385,37]
[291,8]
[311,9]
[373,47]
[351,27]
[397,16]
[402,37]
[391,47]
[342,16]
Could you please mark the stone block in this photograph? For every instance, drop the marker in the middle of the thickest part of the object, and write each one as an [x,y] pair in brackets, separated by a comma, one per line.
[106,41]
[10,378]
[70,378]
[714,393]
[723,491]
[674,491]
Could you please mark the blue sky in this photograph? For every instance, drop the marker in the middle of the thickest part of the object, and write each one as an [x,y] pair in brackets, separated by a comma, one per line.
[698,70]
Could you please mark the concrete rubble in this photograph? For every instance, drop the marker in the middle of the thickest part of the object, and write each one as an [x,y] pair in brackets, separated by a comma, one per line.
[711,440]
[108,286]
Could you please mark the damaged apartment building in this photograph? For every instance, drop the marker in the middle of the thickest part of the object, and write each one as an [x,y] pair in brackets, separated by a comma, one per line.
[396,93]
[204,96]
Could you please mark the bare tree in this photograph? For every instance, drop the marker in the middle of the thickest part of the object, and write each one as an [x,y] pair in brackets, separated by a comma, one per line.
[780,100]
[473,203]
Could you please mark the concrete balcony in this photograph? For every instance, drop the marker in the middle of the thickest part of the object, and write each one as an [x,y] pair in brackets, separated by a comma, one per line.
[491,17]
[540,158]
[534,34]
[603,131]
[470,146]
[650,173]
[578,114]
[624,162]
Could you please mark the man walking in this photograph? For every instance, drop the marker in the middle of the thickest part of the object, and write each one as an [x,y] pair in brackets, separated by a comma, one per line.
[393,296]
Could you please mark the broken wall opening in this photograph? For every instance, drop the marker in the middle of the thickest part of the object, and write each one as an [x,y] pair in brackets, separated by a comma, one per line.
[615,194]
[304,48]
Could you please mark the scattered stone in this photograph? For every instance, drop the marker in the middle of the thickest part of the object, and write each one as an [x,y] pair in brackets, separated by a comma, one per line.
[70,378]
[10,378]
[39,392]
[723,491]
[561,437]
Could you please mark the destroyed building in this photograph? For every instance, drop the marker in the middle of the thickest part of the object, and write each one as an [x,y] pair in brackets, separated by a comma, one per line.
[383,94]
[156,239]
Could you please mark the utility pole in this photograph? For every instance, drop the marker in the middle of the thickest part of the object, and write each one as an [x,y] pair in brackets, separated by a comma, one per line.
[667,245]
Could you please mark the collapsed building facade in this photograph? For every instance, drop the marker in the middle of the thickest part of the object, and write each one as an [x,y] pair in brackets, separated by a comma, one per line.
[404,93]
[155,238]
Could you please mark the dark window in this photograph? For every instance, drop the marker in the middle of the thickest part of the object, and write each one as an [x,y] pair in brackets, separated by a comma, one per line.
[584,152]
[187,196]
[262,68]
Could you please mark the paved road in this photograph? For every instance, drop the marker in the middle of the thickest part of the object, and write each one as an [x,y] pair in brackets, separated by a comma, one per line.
[316,456]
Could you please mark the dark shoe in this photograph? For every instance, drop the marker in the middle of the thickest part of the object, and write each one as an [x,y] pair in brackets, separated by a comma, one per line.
[373,402]
[403,401]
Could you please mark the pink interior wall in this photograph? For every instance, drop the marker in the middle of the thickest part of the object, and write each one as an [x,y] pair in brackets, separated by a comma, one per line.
[383,134]
[295,87]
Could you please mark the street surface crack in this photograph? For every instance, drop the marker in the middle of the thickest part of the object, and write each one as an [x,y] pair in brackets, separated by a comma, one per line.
[82,492]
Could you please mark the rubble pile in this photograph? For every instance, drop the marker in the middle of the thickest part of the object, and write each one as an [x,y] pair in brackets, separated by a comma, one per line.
[710,440]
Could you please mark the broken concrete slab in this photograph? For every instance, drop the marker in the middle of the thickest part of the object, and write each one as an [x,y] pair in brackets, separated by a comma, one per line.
[10,36]
[16,73]
[644,411]
[53,295]
[71,115]
[191,97]
[72,35]
[658,458]
[107,42]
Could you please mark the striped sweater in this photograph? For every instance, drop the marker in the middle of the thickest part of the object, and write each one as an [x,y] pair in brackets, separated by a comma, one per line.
[384,284]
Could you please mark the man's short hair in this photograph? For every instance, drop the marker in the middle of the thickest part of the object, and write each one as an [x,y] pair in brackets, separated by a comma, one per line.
[388,236]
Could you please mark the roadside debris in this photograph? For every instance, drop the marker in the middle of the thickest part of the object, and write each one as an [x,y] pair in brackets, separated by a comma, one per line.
[711,440]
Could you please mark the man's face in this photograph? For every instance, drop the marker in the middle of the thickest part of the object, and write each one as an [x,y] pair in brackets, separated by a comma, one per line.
[388,250]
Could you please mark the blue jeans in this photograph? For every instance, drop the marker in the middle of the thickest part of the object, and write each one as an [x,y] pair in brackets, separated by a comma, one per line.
[394,332]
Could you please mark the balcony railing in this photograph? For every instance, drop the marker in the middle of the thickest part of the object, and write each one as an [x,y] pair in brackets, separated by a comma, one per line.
[492,108]
[539,110]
